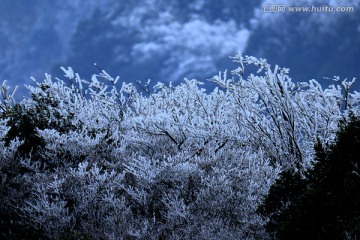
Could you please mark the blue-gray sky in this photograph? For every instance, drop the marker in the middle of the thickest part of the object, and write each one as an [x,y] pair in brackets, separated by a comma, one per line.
[169,40]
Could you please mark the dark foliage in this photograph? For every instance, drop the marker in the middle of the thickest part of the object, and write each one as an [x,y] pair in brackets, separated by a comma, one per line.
[325,203]
[24,122]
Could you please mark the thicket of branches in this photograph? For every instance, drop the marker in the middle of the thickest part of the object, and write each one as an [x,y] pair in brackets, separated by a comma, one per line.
[100,159]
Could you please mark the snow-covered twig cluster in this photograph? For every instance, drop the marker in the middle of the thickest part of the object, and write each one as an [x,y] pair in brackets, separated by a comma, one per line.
[98,159]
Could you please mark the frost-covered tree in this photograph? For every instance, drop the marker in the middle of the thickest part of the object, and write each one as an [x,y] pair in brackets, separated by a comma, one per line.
[282,117]
[100,159]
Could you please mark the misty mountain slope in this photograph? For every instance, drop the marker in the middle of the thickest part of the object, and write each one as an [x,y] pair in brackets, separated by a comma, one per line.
[113,33]
[171,40]
[35,34]
[162,41]
[312,45]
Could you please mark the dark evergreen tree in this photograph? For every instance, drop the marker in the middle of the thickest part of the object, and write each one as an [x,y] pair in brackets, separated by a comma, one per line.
[325,203]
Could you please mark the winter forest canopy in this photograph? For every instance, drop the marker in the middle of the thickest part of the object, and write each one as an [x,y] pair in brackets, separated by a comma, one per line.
[101,159]
[197,152]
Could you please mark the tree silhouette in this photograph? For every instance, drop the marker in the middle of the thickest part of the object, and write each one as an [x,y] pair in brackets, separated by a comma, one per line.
[325,203]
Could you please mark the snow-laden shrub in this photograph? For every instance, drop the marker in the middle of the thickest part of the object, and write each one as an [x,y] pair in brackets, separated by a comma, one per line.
[182,196]
[85,201]
[281,117]
[99,159]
